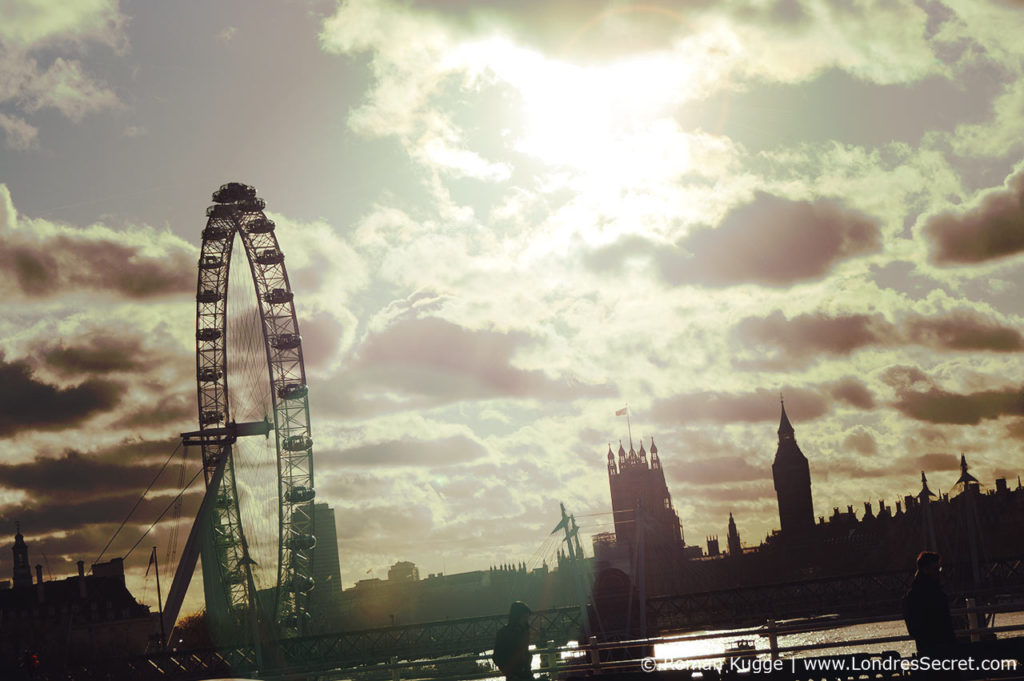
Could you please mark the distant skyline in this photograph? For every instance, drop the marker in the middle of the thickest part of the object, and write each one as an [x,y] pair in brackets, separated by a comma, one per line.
[503,221]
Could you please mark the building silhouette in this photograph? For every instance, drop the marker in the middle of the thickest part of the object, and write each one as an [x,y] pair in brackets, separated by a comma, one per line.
[792,477]
[969,525]
[326,598]
[79,618]
[733,539]
[22,572]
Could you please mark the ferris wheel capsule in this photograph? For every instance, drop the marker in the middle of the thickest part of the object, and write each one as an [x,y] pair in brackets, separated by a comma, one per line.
[298,443]
[261,226]
[209,296]
[286,341]
[270,256]
[210,262]
[299,495]
[234,191]
[209,335]
[215,233]
[291,391]
[278,296]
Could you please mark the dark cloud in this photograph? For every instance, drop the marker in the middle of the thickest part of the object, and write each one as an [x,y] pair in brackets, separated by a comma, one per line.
[73,514]
[905,378]
[853,392]
[939,406]
[934,462]
[1015,429]
[426,362]
[77,476]
[906,470]
[95,355]
[771,241]
[963,330]
[733,494]
[87,495]
[168,409]
[26,403]
[760,405]
[855,468]
[861,441]
[777,342]
[321,339]
[992,229]
[425,453]
[48,266]
[798,341]
[728,469]
[368,528]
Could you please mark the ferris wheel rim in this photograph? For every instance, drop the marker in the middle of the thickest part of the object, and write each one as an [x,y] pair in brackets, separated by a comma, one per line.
[237,212]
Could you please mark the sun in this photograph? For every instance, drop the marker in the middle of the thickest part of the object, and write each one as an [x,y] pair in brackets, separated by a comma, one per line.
[587,116]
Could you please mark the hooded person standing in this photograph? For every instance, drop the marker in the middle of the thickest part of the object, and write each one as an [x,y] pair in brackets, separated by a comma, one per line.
[926,610]
[512,644]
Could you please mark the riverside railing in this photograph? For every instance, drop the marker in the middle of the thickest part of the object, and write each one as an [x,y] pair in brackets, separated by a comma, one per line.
[594,658]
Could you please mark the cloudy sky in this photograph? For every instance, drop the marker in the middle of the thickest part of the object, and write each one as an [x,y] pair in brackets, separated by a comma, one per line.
[503,221]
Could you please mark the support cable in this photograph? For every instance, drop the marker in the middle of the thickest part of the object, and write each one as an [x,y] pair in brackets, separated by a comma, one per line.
[163,512]
[153,482]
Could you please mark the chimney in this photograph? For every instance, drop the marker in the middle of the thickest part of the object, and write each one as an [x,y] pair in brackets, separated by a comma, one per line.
[39,584]
[81,579]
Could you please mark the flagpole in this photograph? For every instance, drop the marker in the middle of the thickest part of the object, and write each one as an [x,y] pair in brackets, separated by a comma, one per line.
[629,428]
[159,600]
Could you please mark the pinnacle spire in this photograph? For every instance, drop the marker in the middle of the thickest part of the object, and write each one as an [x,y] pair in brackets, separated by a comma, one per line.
[925,492]
[965,477]
[786,431]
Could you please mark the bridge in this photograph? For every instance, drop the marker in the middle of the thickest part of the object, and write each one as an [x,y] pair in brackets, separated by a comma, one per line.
[429,651]
[867,597]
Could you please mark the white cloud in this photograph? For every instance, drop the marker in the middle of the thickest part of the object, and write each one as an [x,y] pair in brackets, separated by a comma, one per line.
[27,27]
[18,133]
[66,87]
[29,23]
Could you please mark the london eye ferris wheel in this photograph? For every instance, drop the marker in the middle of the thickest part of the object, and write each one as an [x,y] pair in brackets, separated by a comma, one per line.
[257,546]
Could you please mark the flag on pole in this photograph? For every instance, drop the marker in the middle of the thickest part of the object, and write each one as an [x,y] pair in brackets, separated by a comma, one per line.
[621,412]
[152,559]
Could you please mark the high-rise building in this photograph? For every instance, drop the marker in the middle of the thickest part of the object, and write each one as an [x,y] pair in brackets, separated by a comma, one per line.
[326,567]
[792,478]
[735,547]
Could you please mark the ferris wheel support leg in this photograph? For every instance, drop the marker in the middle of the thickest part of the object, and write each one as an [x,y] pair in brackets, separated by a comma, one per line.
[190,554]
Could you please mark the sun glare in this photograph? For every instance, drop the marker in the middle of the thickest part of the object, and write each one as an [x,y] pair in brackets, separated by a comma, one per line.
[581,115]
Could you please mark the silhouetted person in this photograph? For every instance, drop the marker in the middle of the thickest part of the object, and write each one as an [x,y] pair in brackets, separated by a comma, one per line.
[926,610]
[512,644]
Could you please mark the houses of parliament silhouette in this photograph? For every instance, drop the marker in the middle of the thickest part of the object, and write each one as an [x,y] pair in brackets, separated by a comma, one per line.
[647,556]
[969,526]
